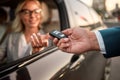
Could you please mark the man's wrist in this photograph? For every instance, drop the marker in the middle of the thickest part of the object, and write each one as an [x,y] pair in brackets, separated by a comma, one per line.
[93,41]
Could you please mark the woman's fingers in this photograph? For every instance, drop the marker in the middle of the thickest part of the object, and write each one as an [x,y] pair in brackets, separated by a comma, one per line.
[39,41]
[36,40]
[39,36]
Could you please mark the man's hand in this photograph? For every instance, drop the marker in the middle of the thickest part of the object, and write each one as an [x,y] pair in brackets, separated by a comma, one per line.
[79,41]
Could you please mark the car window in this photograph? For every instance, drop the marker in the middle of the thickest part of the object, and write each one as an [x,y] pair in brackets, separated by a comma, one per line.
[50,18]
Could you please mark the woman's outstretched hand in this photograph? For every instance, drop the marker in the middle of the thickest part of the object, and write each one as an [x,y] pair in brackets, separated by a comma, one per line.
[39,41]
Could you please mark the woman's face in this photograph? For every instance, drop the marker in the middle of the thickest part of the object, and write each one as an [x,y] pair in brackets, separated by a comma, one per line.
[31,15]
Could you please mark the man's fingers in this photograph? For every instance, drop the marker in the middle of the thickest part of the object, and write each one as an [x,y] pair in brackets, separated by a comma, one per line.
[55,40]
[67,32]
[63,40]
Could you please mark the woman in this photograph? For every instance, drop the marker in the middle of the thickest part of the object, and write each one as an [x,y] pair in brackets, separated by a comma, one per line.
[26,26]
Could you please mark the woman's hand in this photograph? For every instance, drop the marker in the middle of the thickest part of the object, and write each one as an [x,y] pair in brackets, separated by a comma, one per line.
[39,41]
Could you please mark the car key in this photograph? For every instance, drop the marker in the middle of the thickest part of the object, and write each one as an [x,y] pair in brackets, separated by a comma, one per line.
[57,34]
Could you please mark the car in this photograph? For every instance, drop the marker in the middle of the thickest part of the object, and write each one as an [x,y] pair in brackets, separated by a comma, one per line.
[51,63]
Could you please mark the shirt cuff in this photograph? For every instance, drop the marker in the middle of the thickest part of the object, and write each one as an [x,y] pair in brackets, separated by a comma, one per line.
[100,42]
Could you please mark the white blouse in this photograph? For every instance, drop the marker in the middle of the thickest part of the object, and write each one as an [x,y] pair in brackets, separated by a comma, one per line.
[23,47]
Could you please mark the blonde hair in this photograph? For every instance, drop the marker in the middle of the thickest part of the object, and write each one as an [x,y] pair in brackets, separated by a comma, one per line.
[17,24]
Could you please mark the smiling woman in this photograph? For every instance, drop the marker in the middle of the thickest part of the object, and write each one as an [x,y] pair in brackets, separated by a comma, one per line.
[26,23]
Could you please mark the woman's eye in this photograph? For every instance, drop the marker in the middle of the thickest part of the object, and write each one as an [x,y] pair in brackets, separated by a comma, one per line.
[26,12]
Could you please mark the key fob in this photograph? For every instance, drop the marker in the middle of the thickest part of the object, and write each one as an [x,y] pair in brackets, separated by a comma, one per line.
[57,34]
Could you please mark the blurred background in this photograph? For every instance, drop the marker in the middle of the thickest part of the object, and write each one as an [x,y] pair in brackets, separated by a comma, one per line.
[109,10]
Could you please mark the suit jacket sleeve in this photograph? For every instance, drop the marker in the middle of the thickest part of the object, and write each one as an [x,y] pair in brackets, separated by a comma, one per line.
[111,38]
